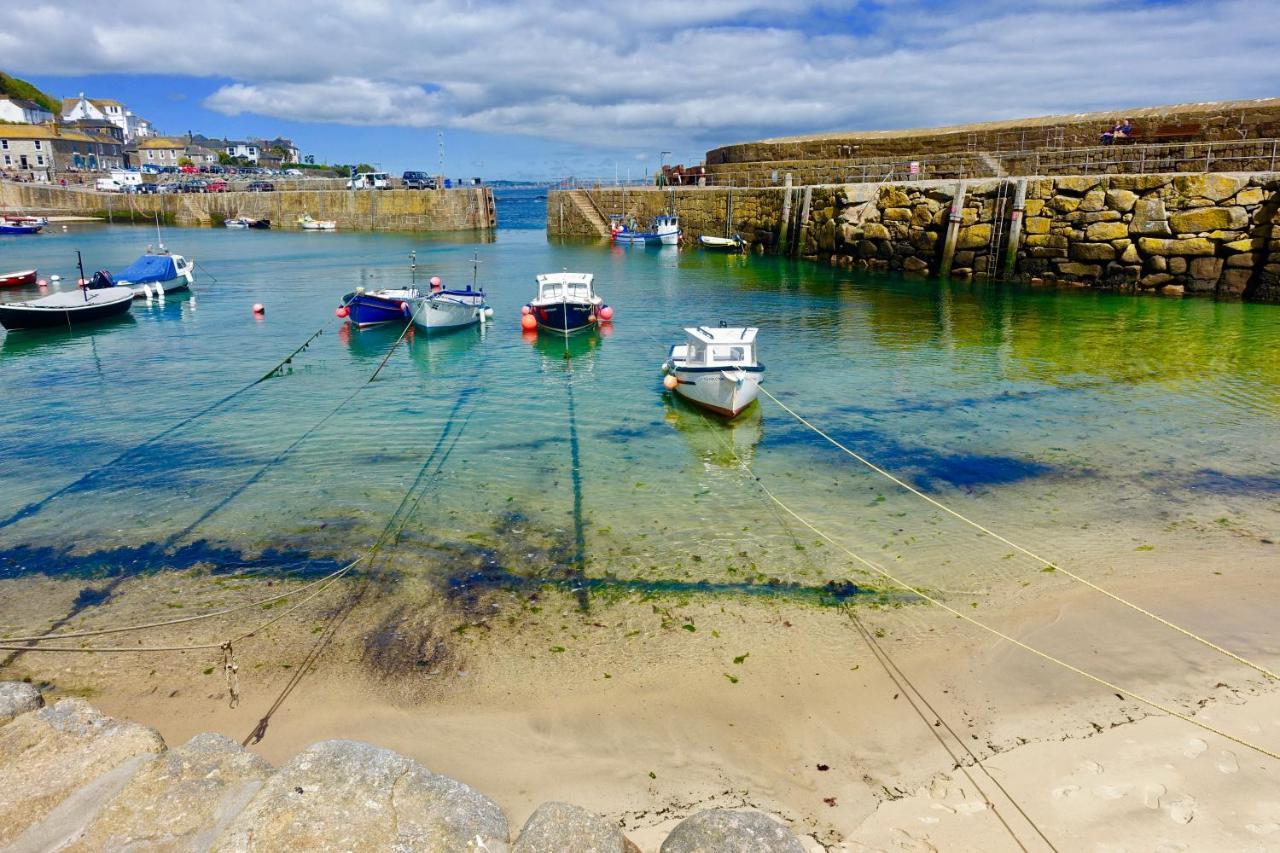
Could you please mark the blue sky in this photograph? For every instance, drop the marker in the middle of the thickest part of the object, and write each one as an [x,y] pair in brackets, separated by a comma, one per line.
[541,89]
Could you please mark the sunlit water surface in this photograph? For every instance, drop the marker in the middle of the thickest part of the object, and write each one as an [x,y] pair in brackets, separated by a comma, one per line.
[1068,418]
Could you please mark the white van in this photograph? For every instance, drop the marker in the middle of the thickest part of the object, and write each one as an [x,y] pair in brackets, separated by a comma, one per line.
[370,181]
[126,178]
[108,185]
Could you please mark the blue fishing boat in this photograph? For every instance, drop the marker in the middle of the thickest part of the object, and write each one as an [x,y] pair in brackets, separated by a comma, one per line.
[664,231]
[566,302]
[21,225]
[374,307]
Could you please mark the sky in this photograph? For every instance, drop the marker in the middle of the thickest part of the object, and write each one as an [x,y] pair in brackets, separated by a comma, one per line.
[545,90]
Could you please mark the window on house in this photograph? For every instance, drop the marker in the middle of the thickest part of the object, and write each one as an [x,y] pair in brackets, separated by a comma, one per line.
[40,160]
[8,161]
[37,144]
[4,145]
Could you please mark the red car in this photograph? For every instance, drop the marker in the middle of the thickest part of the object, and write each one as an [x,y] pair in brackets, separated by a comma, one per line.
[188,170]
[216,187]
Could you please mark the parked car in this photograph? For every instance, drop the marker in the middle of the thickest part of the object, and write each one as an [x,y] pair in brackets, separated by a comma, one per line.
[188,170]
[216,186]
[296,173]
[418,181]
[370,181]
[261,187]
[196,186]
[148,189]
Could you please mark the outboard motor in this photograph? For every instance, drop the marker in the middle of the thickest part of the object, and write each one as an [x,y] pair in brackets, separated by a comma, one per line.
[101,280]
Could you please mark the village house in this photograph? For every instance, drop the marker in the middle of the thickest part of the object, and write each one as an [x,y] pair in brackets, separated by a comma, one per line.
[201,156]
[106,109]
[22,111]
[39,152]
[158,151]
[247,150]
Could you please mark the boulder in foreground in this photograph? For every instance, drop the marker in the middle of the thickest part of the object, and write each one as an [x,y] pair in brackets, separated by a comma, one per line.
[724,831]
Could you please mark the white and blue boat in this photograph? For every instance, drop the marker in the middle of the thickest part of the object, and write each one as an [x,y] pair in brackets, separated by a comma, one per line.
[375,307]
[443,310]
[22,224]
[157,275]
[566,302]
[665,231]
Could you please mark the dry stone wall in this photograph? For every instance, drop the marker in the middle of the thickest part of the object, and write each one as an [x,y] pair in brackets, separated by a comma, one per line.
[364,210]
[1210,233]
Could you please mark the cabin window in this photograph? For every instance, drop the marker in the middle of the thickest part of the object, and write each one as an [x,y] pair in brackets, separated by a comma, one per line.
[696,354]
[729,353]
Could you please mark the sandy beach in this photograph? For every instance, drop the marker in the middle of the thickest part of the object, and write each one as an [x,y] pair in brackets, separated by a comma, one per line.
[648,709]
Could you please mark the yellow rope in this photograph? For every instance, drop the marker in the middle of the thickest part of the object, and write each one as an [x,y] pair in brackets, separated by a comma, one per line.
[1037,652]
[1049,563]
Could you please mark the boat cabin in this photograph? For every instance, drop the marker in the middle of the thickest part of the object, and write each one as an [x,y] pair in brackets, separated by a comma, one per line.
[720,347]
[565,287]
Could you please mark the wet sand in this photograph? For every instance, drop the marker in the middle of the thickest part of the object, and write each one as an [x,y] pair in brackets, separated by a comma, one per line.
[646,709]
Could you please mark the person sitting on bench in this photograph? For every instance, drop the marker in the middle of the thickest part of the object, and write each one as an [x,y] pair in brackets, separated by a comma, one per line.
[1122,130]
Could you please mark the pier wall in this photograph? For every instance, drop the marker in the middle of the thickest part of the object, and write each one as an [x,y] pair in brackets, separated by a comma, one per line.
[467,208]
[1196,233]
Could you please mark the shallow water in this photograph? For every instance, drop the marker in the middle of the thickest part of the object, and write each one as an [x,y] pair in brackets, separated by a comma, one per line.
[1093,423]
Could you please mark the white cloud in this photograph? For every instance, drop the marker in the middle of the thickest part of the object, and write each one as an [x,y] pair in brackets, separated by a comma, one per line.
[670,73]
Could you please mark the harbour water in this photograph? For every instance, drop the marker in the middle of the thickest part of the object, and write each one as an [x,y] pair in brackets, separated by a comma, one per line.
[1094,423]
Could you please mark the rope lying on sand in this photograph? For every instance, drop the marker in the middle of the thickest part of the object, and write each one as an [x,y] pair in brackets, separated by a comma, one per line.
[1043,561]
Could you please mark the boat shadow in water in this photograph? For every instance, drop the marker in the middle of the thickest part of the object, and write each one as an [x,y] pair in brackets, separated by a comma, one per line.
[715,439]
[557,346]
[32,341]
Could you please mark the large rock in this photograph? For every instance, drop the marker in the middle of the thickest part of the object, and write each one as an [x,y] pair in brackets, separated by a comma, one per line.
[1189,246]
[875,231]
[1208,219]
[559,827]
[724,831]
[346,795]
[1215,187]
[974,237]
[1093,252]
[1121,200]
[1036,225]
[59,765]
[18,697]
[1078,184]
[1077,270]
[1250,196]
[1106,231]
[1093,201]
[1150,218]
[181,800]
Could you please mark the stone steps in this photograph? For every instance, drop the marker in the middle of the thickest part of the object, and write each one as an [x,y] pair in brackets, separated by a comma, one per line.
[586,206]
[72,778]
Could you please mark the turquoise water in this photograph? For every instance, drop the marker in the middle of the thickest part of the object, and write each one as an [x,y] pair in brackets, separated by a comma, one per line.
[1089,423]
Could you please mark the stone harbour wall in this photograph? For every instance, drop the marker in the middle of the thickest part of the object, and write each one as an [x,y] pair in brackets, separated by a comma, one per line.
[72,778]
[1211,233]
[462,209]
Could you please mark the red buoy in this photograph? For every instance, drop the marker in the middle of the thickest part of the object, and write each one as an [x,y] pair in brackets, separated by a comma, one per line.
[258,308]
[342,312]
[526,309]
[528,323]
[606,313]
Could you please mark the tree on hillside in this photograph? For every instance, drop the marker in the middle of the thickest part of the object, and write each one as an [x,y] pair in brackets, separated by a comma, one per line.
[22,89]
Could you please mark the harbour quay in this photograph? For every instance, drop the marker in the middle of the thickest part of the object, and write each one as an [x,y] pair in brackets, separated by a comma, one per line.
[455,209]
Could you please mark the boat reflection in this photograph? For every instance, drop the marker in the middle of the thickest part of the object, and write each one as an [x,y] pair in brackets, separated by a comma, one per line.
[440,349]
[43,341]
[714,440]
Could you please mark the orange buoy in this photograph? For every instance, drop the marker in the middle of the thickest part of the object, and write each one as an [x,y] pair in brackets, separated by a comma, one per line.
[342,312]
[43,283]
[258,308]
[606,313]
[528,323]
[670,382]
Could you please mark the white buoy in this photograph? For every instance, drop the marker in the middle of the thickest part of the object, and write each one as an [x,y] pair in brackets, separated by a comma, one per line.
[55,278]
[488,312]
[146,290]
[64,228]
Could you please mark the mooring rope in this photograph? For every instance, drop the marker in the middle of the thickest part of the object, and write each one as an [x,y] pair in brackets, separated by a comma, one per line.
[1048,563]
[880,570]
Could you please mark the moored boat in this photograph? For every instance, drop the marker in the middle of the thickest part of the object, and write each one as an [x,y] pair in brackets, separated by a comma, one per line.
[566,302]
[17,279]
[442,310]
[715,368]
[157,275]
[367,308]
[665,230]
[306,223]
[99,299]
[246,222]
[722,244]
[22,224]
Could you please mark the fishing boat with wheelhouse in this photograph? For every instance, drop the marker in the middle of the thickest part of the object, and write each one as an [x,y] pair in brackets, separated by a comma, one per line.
[566,302]
[664,231]
[716,368]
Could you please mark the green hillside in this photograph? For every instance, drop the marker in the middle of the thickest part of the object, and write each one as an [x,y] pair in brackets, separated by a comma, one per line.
[22,89]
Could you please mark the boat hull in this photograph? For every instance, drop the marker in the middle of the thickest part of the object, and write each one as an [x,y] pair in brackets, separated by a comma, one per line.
[565,317]
[368,309]
[440,314]
[9,228]
[17,279]
[726,392]
[95,305]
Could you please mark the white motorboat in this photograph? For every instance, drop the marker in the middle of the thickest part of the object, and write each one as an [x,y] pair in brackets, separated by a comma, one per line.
[721,244]
[449,309]
[715,368]
[306,223]
[238,222]
[157,275]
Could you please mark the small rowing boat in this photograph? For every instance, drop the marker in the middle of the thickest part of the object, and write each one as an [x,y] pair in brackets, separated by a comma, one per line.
[722,244]
[99,299]
[715,368]
[17,279]
[306,223]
